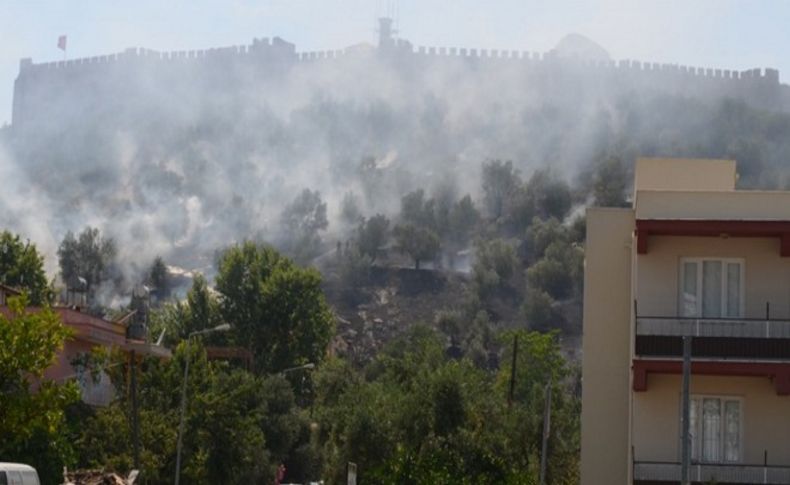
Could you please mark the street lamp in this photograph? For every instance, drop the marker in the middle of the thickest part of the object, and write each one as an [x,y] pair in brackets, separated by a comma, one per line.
[307,366]
[219,328]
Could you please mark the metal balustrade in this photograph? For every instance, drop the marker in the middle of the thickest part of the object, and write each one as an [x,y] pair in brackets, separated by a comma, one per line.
[713,327]
[713,473]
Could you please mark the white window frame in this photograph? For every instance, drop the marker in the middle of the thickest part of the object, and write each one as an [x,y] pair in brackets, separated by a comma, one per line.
[724,294]
[699,424]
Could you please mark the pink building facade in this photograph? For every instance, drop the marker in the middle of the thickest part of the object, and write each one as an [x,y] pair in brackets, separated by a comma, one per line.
[89,332]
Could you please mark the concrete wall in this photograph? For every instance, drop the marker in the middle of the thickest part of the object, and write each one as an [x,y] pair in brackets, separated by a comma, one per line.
[765,426]
[607,347]
[62,370]
[767,275]
[684,174]
[743,205]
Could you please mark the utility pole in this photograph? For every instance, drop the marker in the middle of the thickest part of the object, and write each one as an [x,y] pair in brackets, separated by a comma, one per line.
[179,444]
[513,371]
[546,433]
[686,443]
[135,417]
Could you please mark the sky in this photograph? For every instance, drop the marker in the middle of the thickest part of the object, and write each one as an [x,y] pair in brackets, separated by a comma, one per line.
[726,34]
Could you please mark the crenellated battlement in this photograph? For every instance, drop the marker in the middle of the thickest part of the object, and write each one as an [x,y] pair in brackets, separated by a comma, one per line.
[271,56]
[287,51]
[767,74]
[258,46]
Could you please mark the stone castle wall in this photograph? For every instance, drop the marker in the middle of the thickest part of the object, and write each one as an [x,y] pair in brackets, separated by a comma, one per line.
[40,84]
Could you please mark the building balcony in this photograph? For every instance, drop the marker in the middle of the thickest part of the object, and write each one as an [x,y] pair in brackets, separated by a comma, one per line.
[714,338]
[725,347]
[713,327]
[646,472]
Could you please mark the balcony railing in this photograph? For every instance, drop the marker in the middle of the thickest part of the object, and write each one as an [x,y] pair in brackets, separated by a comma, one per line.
[710,473]
[713,327]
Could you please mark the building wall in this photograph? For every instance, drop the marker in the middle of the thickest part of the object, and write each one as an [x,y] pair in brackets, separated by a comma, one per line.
[62,369]
[736,205]
[684,174]
[765,426]
[607,347]
[766,273]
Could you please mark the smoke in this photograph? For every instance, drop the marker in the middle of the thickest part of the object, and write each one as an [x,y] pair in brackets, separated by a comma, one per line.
[23,209]
[180,158]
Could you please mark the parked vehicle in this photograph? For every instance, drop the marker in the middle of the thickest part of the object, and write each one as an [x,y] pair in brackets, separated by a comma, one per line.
[18,474]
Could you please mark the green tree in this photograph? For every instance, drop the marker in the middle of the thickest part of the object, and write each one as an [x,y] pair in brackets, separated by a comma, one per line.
[494,268]
[200,311]
[610,182]
[277,309]
[22,267]
[158,278]
[578,229]
[551,276]
[500,182]
[551,194]
[571,255]
[88,256]
[372,235]
[539,312]
[540,364]
[414,416]
[417,210]
[350,213]
[418,242]
[238,427]
[303,219]
[545,195]
[32,421]
[462,221]
[540,234]
[470,335]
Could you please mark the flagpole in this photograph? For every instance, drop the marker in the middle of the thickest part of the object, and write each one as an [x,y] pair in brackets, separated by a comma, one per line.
[63,45]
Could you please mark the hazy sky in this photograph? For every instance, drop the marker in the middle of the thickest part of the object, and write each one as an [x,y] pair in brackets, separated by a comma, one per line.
[711,33]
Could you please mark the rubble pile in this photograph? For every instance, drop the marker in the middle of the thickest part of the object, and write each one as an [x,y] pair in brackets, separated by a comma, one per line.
[97,477]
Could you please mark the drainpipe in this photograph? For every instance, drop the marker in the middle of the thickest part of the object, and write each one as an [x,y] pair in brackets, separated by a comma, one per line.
[686,444]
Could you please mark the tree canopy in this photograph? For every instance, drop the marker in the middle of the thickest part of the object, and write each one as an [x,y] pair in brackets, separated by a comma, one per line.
[32,408]
[372,235]
[22,267]
[415,416]
[302,220]
[418,242]
[500,181]
[276,308]
[86,259]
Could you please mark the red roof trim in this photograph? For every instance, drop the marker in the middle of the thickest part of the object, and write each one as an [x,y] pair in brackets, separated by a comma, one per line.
[86,327]
[711,228]
[778,371]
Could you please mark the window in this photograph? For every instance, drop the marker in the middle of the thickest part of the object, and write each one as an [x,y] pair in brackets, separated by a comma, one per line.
[715,428]
[14,478]
[30,478]
[711,288]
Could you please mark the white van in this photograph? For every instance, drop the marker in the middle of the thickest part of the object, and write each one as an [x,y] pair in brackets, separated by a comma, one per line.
[18,474]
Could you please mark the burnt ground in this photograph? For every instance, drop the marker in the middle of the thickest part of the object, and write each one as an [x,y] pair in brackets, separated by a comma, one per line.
[394,299]
[391,302]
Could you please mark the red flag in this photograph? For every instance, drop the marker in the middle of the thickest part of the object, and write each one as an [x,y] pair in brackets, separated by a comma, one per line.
[62,42]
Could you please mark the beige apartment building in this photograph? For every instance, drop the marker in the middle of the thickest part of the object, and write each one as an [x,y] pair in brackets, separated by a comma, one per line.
[692,257]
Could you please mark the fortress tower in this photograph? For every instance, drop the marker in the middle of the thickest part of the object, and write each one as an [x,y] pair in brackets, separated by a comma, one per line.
[386,40]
